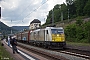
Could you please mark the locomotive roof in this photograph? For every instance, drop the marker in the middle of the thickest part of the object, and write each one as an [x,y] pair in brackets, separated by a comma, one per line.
[48,28]
[54,27]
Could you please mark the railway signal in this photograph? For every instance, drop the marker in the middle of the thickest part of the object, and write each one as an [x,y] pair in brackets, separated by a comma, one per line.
[0,12]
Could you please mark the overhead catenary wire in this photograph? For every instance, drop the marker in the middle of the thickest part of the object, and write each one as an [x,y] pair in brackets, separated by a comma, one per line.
[32,12]
[21,13]
[36,9]
[23,10]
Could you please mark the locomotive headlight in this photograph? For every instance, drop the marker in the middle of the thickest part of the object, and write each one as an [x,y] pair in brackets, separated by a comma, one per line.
[63,40]
[52,40]
[57,34]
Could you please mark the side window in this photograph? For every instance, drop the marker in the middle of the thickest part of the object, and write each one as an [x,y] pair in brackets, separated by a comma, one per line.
[47,31]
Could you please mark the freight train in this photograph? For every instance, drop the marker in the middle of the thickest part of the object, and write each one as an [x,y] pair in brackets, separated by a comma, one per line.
[49,37]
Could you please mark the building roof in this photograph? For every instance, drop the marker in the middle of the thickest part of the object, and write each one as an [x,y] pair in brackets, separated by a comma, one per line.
[35,21]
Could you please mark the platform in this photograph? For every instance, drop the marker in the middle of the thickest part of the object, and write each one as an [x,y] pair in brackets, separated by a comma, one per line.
[23,54]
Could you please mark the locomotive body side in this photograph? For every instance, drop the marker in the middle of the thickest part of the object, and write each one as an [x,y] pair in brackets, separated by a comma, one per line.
[50,37]
[37,37]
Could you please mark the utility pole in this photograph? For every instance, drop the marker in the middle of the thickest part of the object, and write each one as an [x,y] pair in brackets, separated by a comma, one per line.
[52,16]
[61,16]
[0,12]
[11,27]
[60,7]
[61,13]
[68,15]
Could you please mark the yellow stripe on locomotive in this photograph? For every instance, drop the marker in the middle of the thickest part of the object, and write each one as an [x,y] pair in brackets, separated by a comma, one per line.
[58,35]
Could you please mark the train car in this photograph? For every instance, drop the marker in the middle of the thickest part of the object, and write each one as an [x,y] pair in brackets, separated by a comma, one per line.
[50,37]
[23,36]
[19,36]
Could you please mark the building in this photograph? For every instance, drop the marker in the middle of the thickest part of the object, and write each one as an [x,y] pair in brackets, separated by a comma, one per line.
[35,24]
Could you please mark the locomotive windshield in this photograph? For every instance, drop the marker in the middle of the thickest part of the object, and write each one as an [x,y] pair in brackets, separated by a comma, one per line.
[57,31]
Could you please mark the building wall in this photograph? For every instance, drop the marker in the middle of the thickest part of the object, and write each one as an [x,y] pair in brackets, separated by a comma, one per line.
[34,25]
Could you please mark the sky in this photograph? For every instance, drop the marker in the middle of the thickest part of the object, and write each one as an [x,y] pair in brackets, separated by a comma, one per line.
[22,12]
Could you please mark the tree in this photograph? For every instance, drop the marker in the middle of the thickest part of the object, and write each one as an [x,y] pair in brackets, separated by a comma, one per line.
[87,8]
[79,21]
[64,10]
[49,16]
[57,13]
[87,27]
[69,2]
[58,9]
[71,8]
[80,4]
[70,32]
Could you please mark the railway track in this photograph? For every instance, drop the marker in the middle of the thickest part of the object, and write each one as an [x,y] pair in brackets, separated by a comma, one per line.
[78,53]
[82,54]
[42,53]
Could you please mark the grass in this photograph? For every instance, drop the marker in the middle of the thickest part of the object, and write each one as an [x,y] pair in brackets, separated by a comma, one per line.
[78,44]
[4,55]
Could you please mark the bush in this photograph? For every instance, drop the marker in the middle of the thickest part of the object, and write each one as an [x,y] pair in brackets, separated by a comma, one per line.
[78,32]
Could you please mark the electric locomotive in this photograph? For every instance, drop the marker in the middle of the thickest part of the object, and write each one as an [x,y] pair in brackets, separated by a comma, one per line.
[50,37]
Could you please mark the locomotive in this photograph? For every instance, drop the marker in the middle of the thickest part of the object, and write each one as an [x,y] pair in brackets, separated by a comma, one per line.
[49,37]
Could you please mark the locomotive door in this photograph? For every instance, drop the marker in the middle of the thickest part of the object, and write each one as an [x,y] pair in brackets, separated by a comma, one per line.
[47,36]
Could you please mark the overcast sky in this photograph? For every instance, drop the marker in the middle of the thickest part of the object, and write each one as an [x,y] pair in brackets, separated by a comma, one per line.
[22,12]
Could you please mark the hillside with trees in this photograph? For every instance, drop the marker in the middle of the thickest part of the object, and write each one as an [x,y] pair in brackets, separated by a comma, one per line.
[78,31]
[76,11]
[71,9]
[4,29]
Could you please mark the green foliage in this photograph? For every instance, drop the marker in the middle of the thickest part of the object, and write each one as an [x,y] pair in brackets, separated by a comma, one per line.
[70,32]
[78,32]
[72,8]
[64,10]
[80,4]
[57,13]
[56,17]
[4,55]
[49,17]
[79,21]
[87,9]
[4,29]
[87,29]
